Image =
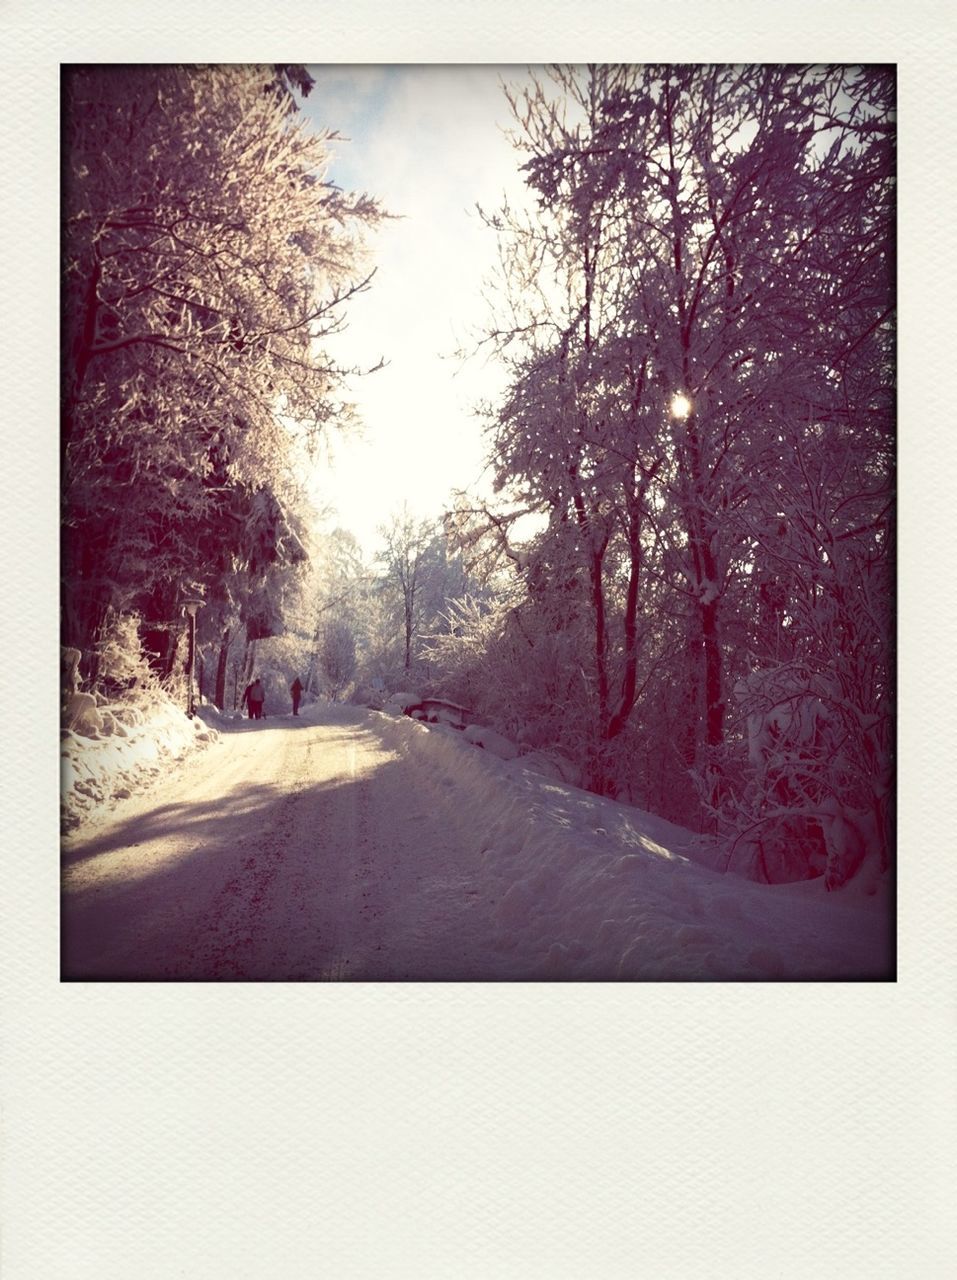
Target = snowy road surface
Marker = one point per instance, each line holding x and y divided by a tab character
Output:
348	845
291	850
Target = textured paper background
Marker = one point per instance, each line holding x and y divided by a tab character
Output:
481	1131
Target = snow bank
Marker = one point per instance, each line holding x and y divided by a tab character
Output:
582	887
109	751
489	740
397	703
553	765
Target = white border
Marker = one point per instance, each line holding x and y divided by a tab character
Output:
435	1131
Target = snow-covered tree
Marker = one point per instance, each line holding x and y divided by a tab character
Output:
421	572
207	267
256	594
338	656
577	438
405	557
695	317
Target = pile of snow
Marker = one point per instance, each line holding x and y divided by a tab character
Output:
443	714
553	765
109	750
489	740
398	703
582	887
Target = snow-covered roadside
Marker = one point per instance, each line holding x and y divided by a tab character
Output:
584	887
121	749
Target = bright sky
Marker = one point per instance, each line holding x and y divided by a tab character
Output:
428	143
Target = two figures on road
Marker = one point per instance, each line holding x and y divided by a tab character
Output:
254	697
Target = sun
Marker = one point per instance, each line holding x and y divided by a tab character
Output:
680	405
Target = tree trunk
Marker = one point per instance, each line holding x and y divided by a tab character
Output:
249	661
700	530
629	682
80	356
222	661
714	702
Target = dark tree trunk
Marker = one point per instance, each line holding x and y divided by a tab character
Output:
78	357
714	701
629	682
700	530
219	697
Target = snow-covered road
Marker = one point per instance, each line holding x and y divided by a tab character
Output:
351	845
290	850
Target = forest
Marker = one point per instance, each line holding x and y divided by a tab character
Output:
694	312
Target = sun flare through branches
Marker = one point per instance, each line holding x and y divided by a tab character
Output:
680	405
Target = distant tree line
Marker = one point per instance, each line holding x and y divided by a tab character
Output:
363	625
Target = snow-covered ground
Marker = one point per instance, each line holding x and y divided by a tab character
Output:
472	867
128	748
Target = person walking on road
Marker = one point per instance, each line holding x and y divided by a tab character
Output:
295	690
257	696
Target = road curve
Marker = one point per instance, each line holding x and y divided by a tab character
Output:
290	850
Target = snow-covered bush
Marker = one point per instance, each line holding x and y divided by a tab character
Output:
805	789
366	695
69	670
81	715
521	676
123	673
125	748
524	671
124	730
